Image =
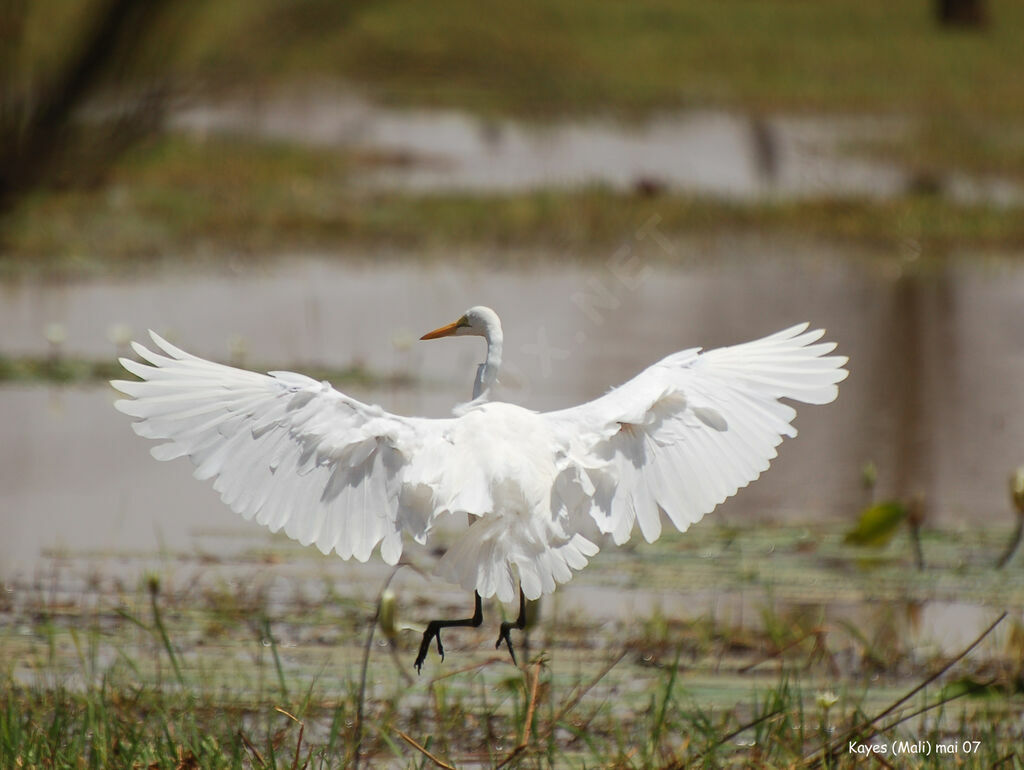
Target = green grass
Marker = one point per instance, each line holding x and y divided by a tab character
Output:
182	199
73	370
177	198
222	670
937	144
56	368
542	59
124	716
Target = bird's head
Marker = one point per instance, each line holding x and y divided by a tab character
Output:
478	321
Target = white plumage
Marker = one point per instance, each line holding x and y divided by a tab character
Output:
294	453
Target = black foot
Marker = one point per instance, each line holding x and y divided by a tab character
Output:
434	632
519	623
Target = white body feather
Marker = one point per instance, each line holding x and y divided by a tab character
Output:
293	453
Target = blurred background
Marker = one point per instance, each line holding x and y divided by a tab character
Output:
313	184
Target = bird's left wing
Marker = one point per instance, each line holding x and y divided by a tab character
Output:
289	451
689	431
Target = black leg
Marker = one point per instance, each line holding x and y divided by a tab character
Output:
434	632
519	623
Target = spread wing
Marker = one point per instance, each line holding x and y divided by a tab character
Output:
295	454
291	452
689	431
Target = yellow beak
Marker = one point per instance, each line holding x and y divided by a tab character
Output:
444	331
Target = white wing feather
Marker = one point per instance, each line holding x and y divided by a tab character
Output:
295	454
691	430
289	451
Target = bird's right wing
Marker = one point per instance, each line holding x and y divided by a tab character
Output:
689	431
291	452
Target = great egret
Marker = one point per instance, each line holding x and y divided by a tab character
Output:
539	489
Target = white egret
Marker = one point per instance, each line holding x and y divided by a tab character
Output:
539	489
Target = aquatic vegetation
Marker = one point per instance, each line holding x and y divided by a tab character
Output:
245	665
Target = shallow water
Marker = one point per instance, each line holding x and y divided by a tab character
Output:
934	398
702	151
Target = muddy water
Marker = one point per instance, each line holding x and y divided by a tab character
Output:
934	398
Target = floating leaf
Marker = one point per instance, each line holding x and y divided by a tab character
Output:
877	524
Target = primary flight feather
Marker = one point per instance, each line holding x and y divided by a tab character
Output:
539	488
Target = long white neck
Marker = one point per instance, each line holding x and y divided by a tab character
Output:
487	372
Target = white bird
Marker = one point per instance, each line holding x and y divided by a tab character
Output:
539	489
